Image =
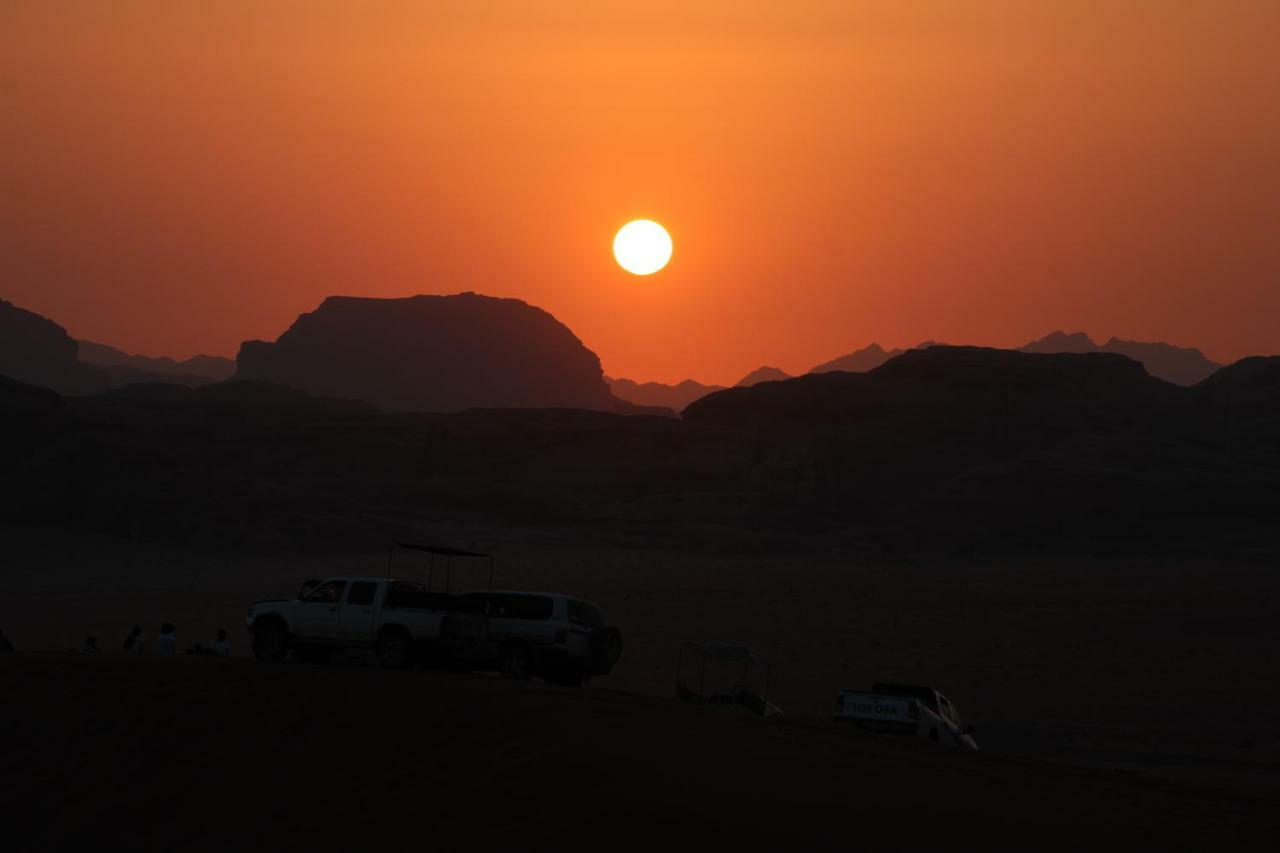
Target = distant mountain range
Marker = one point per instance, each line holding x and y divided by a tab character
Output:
124	367
1180	365
449	353
673	397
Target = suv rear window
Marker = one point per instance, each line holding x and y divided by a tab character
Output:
521	606
581	613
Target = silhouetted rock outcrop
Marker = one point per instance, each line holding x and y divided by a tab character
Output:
122	367
38	351
673	397
1180	365
433	354
858	361
942	389
762	374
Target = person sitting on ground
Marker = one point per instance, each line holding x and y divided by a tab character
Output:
220	646
134	642
91	646
167	642
6	647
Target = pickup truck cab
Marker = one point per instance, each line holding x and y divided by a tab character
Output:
905	709
559	638
400	620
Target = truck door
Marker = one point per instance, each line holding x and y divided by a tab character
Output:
318	614
357	615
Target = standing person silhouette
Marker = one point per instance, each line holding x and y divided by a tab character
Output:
134	642
167	642
220	646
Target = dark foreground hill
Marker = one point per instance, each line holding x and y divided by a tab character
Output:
433	354
210	754
949	448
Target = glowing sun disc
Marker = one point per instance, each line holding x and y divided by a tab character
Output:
642	247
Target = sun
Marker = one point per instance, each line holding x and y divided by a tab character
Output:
642	247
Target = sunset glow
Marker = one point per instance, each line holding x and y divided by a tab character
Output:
982	172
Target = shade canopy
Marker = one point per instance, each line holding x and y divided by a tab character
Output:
439	550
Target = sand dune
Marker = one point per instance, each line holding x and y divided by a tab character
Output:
210	754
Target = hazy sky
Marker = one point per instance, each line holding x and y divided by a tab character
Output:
176	177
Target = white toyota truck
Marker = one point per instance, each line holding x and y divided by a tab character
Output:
905	709
400	620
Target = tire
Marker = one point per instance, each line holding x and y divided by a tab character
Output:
514	662
270	642
393	650
606	646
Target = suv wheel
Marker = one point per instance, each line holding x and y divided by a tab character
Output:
515	663
270	642
393	650
606	646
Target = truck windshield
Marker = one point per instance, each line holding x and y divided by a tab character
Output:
328	593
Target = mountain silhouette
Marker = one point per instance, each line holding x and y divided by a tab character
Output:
957	448
1180	365
433	354
939	388
673	397
122	367
37	351
762	374
858	361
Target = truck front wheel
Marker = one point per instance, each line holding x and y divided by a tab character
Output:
270	641
393	650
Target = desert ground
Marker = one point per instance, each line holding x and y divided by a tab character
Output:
1151	680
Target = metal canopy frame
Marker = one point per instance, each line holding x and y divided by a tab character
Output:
725	652
445	551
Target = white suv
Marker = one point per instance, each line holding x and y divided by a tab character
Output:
561	639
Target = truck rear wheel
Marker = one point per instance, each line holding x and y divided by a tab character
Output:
392	650
606	646
270	641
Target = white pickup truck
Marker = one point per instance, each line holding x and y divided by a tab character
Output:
905	709
400	620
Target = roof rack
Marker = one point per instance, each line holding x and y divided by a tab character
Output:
445	551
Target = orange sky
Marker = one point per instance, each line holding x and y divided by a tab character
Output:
177	177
